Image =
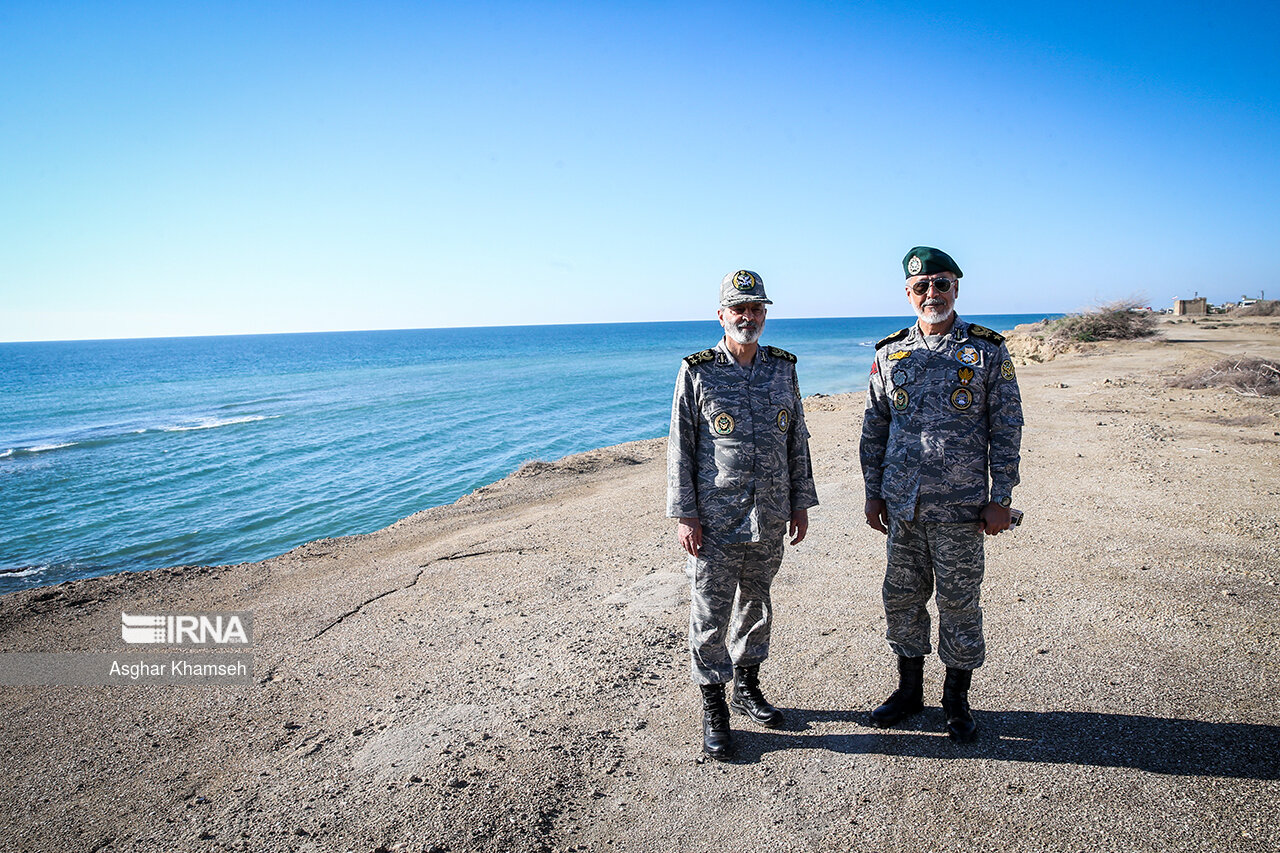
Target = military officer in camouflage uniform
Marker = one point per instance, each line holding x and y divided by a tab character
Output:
943	412
739	480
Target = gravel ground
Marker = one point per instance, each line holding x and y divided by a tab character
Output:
510	672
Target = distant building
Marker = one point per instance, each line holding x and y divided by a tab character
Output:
1197	307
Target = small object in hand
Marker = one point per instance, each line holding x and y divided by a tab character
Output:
1015	517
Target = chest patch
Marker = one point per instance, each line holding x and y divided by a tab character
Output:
962	398
722	423
967	355
784	420
900	399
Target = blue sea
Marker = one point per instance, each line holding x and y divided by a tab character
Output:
138	454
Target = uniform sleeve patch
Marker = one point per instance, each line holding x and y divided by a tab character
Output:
781	353
896	336
700	357
986	334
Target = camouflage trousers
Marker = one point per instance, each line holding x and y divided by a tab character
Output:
730	610
922	554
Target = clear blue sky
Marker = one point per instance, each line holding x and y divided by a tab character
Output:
206	168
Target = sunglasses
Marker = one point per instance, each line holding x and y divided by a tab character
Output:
942	285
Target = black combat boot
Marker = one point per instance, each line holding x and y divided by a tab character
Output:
717	740
908	699
747	698
955	704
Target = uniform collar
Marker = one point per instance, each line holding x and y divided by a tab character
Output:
958	332
723	356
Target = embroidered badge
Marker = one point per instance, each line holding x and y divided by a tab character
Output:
744	280
894	356
1006	369
722	424
875	368
900	399
962	398
966	375
700	357
915	265
967	355
784	420
901	377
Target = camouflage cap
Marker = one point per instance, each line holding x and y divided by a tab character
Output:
923	260
742	286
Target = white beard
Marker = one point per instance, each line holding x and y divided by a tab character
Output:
744	336
932	315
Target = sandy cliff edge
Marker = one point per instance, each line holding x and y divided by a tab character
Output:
509	672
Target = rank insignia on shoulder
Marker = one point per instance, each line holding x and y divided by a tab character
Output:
781	353
894	356
985	333
896	336
700	357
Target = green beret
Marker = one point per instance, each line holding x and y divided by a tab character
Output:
923	260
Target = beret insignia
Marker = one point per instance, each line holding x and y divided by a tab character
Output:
896	336
914	265
985	333
700	357
782	354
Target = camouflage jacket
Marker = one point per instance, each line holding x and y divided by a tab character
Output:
938	420
738	450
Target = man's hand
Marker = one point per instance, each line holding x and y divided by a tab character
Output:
994	519
877	515
799	526
689	532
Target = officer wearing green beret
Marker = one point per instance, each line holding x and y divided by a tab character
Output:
943	414
738	481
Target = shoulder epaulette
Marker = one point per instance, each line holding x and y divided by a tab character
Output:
985	333
896	336
700	357
782	354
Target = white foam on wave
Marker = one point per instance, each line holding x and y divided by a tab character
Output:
214	423
24	573
34	449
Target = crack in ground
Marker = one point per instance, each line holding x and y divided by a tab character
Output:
461	555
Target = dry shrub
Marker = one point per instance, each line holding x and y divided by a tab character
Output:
1113	321
1249	377
1261	308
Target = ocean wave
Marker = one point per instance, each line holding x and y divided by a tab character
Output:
214	423
24	572
15	452
246	403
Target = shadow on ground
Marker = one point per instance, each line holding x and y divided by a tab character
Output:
1154	744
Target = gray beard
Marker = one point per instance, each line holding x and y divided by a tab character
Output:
934	316
742	336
